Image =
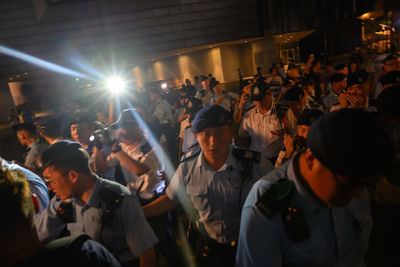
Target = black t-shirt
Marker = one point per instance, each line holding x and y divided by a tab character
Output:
72	251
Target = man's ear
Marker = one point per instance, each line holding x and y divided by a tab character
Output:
309	159
73	176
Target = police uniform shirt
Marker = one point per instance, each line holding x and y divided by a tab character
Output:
146	182
189	140
205	96
214	194
338	236
226	102
264	132
35	151
36	184
330	99
127	235
163	111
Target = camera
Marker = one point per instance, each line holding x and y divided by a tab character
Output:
102	135
299	143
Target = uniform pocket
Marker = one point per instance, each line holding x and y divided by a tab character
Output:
198	195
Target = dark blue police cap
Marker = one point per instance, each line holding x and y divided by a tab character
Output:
350	142
211	116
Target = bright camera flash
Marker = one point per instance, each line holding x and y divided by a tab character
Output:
164	85
116	85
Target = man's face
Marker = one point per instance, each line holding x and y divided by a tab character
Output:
302	130
218	89
336	191
60	182
265	102
128	134
80	132
206	84
215	141
296	106
356	89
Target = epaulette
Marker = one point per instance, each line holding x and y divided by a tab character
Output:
191	154
112	201
242	154
276	198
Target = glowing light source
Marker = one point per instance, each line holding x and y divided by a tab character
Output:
164	85
116	85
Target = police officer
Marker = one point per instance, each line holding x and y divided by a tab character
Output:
314	210
86	203
217	178
19	241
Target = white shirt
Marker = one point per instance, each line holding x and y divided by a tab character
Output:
264	131
147	181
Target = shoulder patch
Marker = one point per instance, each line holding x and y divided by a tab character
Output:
276	198
245	154
191	154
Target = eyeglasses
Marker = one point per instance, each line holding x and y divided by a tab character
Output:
52	182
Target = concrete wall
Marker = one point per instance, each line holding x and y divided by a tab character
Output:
222	62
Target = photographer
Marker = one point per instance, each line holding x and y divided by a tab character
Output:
298	143
82	126
138	160
356	95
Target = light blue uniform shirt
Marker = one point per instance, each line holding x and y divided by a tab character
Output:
226	102
127	235
338	236
189	140
215	194
36	184
35	151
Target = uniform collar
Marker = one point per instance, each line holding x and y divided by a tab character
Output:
94	199
258	111
33	144
304	198
230	162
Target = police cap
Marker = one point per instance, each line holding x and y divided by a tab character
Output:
211	116
350	142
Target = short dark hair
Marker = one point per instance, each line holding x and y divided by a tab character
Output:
51	127
15	200
66	155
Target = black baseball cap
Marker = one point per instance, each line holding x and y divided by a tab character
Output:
126	117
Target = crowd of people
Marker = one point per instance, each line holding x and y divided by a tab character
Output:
292	169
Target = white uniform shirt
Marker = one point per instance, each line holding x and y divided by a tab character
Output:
147	181
264	132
